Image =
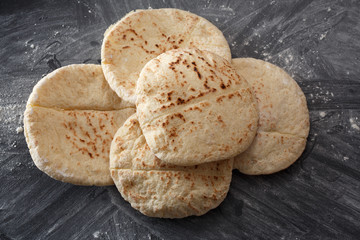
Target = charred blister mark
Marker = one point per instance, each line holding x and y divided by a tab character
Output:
172	132
179	115
180	101
198	73
206	84
220	119
169	95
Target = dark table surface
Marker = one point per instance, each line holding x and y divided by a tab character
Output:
318	197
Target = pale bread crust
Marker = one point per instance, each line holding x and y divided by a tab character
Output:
283	118
158	189
67	140
194	108
77	86
143	35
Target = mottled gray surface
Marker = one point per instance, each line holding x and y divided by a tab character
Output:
317	42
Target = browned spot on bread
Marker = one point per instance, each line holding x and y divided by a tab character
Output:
169	95
220	119
132	30
179	115
180	101
197	108
198	73
206	86
173	133
222	85
126	47
204	104
240	140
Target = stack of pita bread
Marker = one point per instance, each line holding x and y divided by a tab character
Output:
166	117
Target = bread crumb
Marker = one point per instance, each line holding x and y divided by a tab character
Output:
322	114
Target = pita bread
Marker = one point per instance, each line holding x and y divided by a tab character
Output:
283	118
67	140
158	189
143	35
194	108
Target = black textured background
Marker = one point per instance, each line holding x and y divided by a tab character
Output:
317	42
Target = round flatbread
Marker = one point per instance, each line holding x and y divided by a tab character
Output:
142	35
158	189
70	120
283	118
194	108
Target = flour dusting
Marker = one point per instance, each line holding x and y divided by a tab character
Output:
322	36
19	130
353	124
96	234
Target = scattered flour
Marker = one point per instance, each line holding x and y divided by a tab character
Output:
13	144
346	158
285	81
63	172
227	9
322	114
322	36
96	234
329	9
354	125
19	130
